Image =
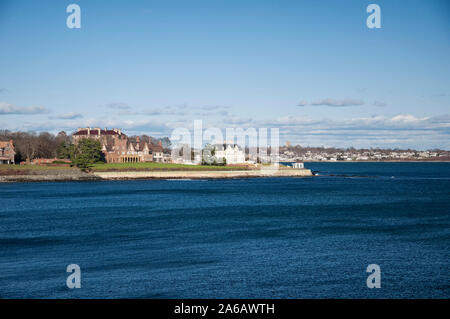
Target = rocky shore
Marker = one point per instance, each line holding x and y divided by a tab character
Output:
50	175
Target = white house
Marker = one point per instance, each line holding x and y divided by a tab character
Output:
231	152
298	165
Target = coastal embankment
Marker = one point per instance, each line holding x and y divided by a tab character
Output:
45	175
54	174
203	174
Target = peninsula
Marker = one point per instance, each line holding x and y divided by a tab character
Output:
39	173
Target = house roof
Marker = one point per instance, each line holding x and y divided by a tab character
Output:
5	144
138	145
224	146
155	148
96	132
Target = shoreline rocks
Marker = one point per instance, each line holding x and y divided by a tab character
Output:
46	175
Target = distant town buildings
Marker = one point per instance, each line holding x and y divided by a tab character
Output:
119	148
291	154
7	152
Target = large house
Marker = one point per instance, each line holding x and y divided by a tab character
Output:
158	152
119	148
7	152
231	152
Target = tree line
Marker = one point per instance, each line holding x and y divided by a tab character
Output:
31	145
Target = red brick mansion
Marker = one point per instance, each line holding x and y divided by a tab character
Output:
119	148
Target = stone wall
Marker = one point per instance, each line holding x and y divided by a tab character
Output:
203	174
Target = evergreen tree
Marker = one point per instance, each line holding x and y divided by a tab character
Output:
86	153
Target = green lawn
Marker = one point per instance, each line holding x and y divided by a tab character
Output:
152	166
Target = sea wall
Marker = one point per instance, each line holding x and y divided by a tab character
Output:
204	174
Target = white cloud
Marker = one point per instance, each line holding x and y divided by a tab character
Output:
68	116
407	118
182	110
403	130
379	103
338	103
118	106
6	109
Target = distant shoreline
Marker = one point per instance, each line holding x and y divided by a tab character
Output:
384	161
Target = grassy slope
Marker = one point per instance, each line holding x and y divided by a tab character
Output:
151	166
42	169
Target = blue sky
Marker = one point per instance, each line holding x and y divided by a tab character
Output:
310	68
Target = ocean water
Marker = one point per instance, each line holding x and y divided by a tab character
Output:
238	238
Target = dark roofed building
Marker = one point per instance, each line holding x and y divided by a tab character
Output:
157	152
117	147
96	133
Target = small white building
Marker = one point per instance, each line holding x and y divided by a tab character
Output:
298	165
231	152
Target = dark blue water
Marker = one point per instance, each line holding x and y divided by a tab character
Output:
265	238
